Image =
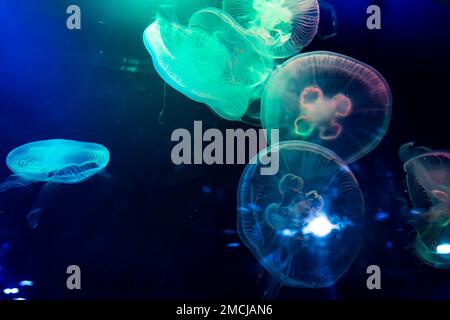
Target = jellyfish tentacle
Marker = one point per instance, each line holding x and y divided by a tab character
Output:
15	181
34	217
46	194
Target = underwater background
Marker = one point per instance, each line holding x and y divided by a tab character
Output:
153	230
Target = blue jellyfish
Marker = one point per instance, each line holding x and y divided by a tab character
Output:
304	223
53	162
428	180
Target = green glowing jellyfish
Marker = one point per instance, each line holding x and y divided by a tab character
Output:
212	61
328	99
303	223
184	9
53	162
240	43
286	26
58	160
428	180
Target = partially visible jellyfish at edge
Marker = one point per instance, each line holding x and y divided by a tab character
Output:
328	26
53	162
304	223
213	60
428	182
287	26
330	100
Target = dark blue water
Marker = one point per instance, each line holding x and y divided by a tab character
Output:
154	230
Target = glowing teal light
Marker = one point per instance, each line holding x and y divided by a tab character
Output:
58	160
319	226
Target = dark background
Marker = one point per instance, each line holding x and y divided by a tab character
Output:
157	231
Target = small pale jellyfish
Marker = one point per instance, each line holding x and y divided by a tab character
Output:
428	180
304	223
287	26
213	61
53	162
328	99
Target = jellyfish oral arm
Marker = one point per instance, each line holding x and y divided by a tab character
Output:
322	113
15	181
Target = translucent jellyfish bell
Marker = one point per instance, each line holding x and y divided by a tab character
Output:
428	180
328	99
212	61
287	26
59	161
304	223
53	162
428	175
248	50
184	9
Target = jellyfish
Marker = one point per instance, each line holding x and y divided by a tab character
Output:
330	100
428	181
328	27
303	224
184	9
287	26
53	162
212	61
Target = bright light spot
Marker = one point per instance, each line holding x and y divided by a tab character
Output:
319	226
288	232
11	291
381	216
17	299
25	283
415	212
443	248
233	245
